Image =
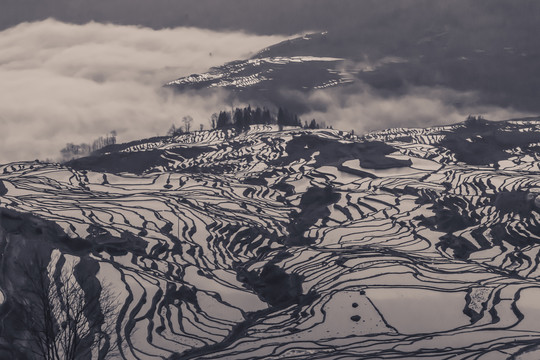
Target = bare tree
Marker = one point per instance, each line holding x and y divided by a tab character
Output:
187	120
67	318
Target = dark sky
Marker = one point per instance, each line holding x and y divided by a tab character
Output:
378	21
259	16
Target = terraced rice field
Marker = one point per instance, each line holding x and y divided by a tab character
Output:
300	244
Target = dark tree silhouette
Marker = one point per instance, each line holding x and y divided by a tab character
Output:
248	117
238	119
223	119
257	116
73	151
281	118
242	118
266	117
172	130
65	316
175	131
187	120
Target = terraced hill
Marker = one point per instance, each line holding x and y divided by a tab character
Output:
278	67
295	244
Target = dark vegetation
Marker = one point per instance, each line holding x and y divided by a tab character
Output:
136	162
110	158
453	214
518	202
3	189
273	285
123	146
73	151
117	162
462	248
242	118
179	130
313	207
70	317
51	310
372	155
482	142
37	231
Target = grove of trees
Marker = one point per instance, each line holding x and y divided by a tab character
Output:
187	120
242	118
72	151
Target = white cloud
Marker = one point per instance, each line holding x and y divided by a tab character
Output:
363	110
72	83
64	83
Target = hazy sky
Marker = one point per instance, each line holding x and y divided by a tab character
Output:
256	16
364	110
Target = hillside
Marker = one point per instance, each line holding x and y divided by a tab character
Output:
482	47
297	243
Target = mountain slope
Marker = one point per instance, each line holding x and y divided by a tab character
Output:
272	70
301	243
480	47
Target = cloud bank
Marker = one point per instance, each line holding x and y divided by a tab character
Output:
362	109
64	83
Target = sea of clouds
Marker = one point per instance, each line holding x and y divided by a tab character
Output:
63	83
363	110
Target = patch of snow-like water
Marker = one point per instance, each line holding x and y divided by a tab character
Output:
413	311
